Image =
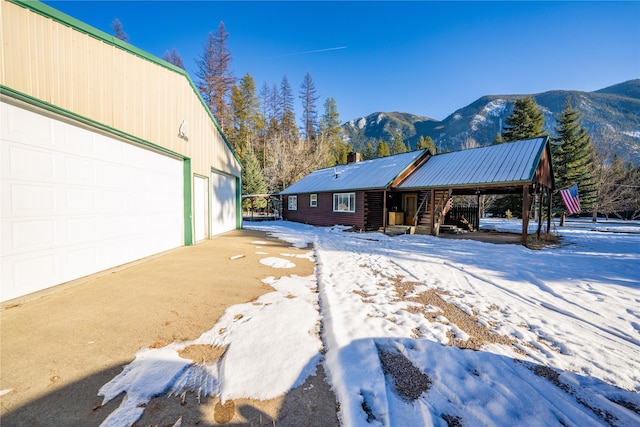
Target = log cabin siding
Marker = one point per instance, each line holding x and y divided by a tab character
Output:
323	214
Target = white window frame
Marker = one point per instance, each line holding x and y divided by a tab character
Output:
313	200
293	203
344	202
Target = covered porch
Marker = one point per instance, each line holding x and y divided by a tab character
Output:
425	201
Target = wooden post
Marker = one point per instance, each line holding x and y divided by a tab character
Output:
525	213
477	225
432	211
384	209
540	201
549	206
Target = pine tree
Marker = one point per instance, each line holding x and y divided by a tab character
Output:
573	157
383	149
309	96
252	179
287	118
245	118
368	153
426	142
215	77
118	30
398	147
526	121
174	58
330	134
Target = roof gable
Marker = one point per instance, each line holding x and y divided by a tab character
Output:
513	162
369	174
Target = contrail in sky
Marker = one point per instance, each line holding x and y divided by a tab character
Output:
310	51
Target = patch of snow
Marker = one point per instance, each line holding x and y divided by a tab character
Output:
634	134
566	316
276	262
268	357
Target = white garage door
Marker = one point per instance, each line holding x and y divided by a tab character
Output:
223	203
75	202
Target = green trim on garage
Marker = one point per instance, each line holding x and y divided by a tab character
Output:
27	99
188	209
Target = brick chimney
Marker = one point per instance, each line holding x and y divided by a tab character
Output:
353	157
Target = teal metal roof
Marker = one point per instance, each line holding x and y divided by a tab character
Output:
369	174
511	162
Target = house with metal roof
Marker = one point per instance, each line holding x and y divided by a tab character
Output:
420	197
353	194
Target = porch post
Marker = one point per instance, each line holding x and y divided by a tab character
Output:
540	206
432	210
525	213
478	212
549	206
384	209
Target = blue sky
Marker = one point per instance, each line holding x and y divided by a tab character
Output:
426	58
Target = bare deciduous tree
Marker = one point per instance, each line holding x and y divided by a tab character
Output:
118	30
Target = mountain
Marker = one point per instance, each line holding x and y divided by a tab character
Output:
612	113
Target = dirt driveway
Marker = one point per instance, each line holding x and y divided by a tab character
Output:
58	350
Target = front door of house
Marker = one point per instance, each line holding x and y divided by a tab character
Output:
410	203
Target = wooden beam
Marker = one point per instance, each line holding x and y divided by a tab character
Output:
540	205
432	211
384	209
525	213
549	208
477	225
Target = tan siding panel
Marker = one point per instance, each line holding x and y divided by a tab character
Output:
80	73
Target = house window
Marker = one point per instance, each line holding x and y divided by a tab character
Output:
293	203
344	202
313	200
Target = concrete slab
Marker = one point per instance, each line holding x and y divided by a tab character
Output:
58	349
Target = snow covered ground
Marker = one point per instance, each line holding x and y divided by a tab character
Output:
420	331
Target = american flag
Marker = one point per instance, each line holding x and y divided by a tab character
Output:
570	199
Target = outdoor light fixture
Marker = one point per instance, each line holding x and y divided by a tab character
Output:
182	130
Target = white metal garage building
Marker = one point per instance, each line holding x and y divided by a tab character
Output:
108	154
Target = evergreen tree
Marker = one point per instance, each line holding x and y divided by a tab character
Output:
368	153
330	133
526	121
426	142
398	147
383	149
573	157
287	118
246	116
252	179
118	30
309	96
174	58
215	77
